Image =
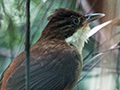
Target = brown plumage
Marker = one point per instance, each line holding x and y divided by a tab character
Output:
55	61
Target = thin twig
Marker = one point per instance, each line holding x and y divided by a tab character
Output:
93	50
96	56
97	62
110	49
27	45
117	69
99	54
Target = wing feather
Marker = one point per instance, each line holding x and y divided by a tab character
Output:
52	75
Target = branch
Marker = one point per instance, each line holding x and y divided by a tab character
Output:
27	44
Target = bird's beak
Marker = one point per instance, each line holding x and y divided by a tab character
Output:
92	17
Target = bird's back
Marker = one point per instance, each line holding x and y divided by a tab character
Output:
53	67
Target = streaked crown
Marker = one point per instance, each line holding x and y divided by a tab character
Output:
63	23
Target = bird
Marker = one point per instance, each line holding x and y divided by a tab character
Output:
56	58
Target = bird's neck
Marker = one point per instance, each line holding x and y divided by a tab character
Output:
79	38
51	32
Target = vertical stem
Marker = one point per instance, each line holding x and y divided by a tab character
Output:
27	45
117	70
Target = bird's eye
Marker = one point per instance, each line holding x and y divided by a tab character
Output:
75	21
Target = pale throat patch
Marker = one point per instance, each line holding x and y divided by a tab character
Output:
79	38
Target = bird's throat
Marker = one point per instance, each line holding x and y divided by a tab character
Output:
79	38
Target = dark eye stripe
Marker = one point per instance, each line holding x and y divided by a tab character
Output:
57	20
81	21
66	27
63	24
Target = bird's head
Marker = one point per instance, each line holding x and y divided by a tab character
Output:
68	25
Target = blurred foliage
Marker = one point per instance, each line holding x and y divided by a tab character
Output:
13	27
13	19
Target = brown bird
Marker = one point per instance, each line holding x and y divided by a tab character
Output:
55	59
